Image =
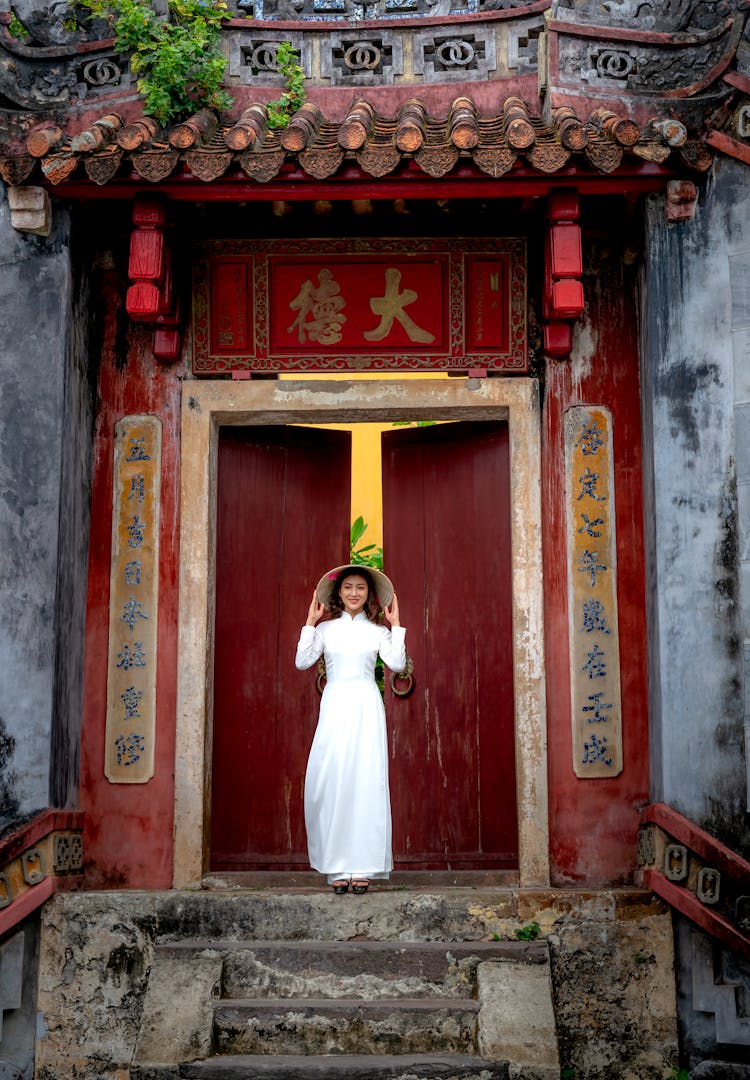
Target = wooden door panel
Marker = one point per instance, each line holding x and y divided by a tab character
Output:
283	503
447	544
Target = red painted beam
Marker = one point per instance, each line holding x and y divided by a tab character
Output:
705	846
33	898
689	905
728	145
294	185
741	82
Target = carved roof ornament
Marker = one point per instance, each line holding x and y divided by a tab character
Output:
442	83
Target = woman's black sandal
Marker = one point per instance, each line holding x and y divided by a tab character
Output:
340	887
360	886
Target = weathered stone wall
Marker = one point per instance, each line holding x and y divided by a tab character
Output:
35	286
19	963
693	534
696	393
45	448
83	346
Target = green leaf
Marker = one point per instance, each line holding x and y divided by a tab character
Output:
357	530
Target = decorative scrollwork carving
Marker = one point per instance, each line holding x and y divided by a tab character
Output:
363	56
708	888
263	56
646	847
614	64
676	862
101	72
67	854
456	52
32	864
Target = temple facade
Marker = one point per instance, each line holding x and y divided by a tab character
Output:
516	237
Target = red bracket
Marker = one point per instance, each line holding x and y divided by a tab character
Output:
151	299
562	301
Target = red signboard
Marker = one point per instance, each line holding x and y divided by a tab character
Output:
327	305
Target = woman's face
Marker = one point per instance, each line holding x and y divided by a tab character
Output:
353	593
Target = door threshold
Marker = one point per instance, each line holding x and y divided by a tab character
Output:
399	879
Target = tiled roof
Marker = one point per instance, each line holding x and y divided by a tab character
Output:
210	149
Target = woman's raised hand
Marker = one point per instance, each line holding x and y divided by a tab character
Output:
391	612
316	609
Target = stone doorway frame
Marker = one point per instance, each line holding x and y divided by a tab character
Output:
209	405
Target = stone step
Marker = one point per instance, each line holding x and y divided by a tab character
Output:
322	1026
345	1067
410	915
356	969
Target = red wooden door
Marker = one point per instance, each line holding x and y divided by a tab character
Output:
283	497
446	508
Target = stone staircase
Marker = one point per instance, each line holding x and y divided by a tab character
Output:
405	983
351	1009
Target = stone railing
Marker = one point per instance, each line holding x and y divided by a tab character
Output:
36	860
699	877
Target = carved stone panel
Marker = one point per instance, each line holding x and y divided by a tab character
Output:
455	55
361	58
253	56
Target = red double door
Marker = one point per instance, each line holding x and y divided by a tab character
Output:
283	518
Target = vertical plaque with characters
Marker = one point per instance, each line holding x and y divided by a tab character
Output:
592	593
133	602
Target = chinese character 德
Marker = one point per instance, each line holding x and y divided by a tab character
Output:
324	304
391	306
129	748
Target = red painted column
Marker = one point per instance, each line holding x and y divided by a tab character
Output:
594	822
128	834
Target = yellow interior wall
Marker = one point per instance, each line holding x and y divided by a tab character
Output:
367	473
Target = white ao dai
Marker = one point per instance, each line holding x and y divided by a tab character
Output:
347	800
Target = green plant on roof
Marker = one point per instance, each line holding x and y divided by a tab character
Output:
177	61
16	28
285	106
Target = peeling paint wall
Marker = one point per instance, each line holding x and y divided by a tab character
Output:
35	285
46	409
696	289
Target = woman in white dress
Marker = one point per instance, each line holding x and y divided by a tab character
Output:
347	801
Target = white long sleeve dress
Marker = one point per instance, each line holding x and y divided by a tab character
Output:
347	800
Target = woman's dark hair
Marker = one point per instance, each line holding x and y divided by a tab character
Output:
372	606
